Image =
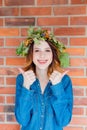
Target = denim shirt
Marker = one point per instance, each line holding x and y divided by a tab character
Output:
51	110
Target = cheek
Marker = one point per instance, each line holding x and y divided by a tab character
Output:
35	56
50	57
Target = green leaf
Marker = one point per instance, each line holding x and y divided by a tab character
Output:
21	50
36	41
64	59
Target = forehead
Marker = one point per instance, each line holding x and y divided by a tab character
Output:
42	44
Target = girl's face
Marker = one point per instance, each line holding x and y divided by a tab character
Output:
42	55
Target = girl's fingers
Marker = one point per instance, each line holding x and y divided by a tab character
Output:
30	72
65	73
21	70
56	76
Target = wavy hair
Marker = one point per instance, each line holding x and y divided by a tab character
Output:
55	65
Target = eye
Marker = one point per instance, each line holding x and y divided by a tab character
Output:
48	50
36	50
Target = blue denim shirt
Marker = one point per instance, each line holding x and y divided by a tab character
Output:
51	110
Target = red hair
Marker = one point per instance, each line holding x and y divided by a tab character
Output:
55	65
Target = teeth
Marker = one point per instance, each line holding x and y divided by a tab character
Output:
42	61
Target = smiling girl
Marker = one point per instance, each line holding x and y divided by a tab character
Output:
44	97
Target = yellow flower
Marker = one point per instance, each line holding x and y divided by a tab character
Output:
27	42
46	34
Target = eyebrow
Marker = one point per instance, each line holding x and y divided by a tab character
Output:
44	48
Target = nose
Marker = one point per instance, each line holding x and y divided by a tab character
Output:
42	54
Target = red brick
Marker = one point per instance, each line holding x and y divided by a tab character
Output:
86	92
24	32
1	61
70	10
20	21
78	91
10	81
51	2
63	40
69	31
15	61
2	99
9	71
1	42
74	128
76	51
1	80
52	21
1	22
10	99
76	72
78	62
11	118
78	111
78	41
86	111
2	118
79	81
13	42
78	20
18	2
78	2
0	2
1	108
36	11
9	11
7	90
79	120
7	52
9	32
9	127
9	108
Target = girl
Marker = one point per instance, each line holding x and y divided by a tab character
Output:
44	98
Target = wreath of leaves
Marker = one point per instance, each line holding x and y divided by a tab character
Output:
35	35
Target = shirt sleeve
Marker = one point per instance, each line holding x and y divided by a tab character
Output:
62	101
23	102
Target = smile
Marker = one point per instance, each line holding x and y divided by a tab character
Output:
42	61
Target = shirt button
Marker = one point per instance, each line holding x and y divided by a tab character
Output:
42	115
42	103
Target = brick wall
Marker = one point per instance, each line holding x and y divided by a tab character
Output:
68	20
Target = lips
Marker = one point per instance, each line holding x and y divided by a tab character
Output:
42	61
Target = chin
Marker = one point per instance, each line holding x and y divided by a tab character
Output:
42	67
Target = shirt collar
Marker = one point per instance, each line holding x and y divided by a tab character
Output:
36	87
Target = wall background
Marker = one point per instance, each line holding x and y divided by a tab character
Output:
68	20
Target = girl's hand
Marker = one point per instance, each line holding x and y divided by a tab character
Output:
56	77
29	77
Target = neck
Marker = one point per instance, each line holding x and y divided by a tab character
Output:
41	74
43	78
